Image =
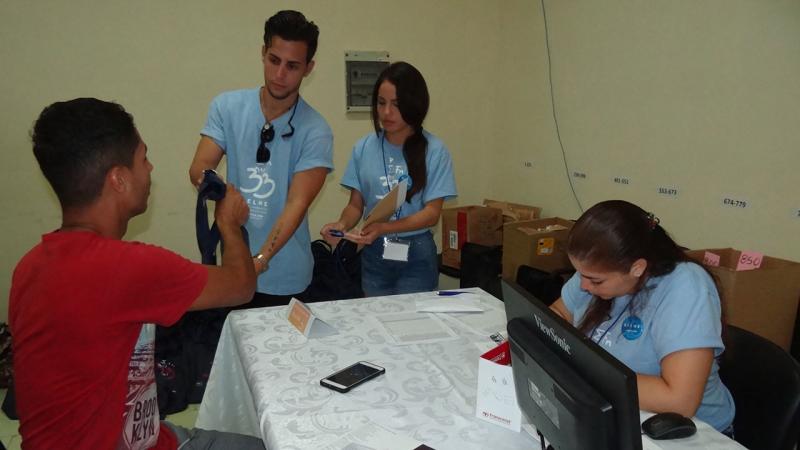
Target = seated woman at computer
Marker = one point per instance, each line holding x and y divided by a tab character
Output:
639	296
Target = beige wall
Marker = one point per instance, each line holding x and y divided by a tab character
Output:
699	95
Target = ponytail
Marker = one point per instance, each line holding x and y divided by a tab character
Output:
414	150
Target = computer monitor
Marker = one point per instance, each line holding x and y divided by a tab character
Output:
575	393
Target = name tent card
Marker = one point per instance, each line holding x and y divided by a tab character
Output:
306	322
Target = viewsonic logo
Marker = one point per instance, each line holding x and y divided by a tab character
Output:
550	332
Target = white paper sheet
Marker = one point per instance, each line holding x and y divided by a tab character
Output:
413	328
466	302
483	323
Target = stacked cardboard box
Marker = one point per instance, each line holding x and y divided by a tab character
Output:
476	224
481	225
539	243
514	212
762	300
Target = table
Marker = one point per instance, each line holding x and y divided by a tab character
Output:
265	380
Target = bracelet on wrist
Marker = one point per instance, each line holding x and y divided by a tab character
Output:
261	260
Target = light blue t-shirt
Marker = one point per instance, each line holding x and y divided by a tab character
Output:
377	165
678	311
234	123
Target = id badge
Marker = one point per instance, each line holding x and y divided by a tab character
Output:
395	249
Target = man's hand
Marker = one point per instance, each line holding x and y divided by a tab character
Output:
234	282
231	210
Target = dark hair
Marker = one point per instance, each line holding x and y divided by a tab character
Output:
413	102
612	235
292	26
77	142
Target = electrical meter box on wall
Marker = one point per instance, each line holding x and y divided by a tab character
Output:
361	70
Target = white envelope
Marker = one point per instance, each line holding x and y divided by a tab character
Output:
497	395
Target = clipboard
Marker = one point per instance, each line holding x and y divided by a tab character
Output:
385	208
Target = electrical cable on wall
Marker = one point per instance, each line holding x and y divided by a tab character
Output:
553	106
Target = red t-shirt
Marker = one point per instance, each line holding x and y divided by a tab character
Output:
77	307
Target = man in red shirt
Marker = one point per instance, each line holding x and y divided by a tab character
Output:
83	301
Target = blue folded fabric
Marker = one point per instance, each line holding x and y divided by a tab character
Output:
211	188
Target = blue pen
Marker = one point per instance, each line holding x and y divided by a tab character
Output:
335	233
448	293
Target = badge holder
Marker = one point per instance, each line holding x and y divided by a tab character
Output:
395	249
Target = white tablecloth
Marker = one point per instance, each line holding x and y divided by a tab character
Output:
265	381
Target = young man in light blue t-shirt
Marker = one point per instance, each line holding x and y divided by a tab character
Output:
279	151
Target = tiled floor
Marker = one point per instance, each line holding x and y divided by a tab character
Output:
12	440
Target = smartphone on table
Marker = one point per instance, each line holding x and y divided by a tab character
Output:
352	376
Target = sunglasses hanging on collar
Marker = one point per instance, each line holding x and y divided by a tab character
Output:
268	134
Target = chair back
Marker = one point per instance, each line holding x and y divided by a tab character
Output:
764	380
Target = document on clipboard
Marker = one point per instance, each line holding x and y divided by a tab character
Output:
385	208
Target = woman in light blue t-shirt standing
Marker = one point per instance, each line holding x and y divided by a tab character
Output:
640	297
399	255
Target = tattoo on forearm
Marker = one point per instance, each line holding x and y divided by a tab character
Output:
274	240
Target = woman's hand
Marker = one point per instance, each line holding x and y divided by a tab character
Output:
560	308
325	232
367	235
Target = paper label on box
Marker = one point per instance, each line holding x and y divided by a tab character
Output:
711	259
453	238
497	395
545	246
461	228
749	260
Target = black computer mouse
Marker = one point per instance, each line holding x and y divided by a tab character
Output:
668	425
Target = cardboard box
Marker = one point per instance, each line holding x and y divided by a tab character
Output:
762	300
514	212
539	243
476	224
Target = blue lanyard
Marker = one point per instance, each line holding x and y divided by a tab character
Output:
613	323
386	173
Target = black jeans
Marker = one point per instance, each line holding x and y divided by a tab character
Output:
261	300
